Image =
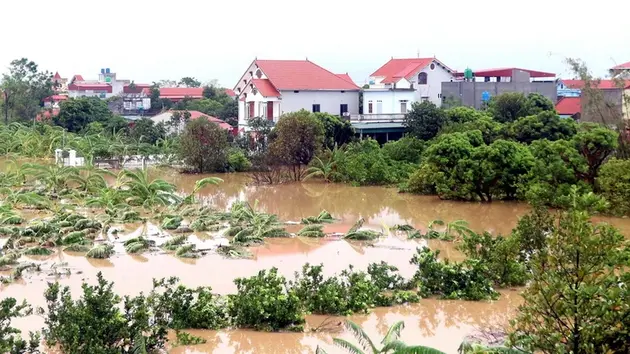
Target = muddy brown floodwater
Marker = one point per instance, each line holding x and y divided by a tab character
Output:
438	323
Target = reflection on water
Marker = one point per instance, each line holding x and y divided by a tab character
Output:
438	323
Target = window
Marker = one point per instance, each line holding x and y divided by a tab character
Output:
432	66
370	107
422	78
296	91
403	106
343	109
439	95
258	73
316	108
424	99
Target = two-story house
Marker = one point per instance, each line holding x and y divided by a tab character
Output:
400	82
270	88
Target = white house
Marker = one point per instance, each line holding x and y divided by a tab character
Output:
270	88
400	82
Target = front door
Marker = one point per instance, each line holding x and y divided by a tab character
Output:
251	109
343	108
270	110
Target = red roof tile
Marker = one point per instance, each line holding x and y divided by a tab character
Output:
230	92
197	114
624	66
569	106
83	86
602	84
302	75
139	88
77	78
265	87
181	92
57	76
346	77
395	69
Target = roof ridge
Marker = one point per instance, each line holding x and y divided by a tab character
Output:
268	78
333	74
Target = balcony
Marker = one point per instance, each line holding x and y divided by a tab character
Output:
378	117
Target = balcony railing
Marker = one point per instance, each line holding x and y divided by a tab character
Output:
382	117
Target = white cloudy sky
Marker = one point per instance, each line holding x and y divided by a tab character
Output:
149	40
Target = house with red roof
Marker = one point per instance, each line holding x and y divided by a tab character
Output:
621	69
615	94
54	101
60	84
569	107
270	88
398	83
166	119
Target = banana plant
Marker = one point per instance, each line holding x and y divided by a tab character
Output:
200	184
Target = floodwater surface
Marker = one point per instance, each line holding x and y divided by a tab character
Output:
438	323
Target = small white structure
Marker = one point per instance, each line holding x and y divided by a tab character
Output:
270	88
400	82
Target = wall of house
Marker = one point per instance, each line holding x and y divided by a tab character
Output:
470	93
390	100
260	107
433	89
88	93
329	101
608	110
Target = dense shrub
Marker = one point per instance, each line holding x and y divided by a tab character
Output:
614	185
237	161
203	146
265	302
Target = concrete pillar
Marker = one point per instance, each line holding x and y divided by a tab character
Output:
386	136
72	158
361	135
58	156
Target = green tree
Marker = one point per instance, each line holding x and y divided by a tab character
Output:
537	103
145	130
203	146
189	82
425	120
75	114
508	107
595	143
298	136
614	184
578	301
545	125
336	131
24	88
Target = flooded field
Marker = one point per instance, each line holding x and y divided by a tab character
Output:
437	323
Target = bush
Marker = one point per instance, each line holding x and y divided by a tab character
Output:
614	184
264	302
237	161
203	146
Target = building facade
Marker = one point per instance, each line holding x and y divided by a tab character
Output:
400	82
270	88
485	84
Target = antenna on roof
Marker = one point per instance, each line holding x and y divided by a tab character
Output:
418	53
306	58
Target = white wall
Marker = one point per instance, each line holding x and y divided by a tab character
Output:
329	101
390	100
433	88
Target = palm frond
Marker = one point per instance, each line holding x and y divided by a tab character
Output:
360	335
349	347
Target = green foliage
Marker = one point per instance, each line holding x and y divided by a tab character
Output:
577	301
508	107
546	125
425	120
614	185
461	280
337	132
146	131
237	161
95	324
186	307
76	113
323	217
10	340
407	149
297	138
203	146
185	338
265	302
25	87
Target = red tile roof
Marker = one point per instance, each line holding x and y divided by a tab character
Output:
230	92
181	92
395	69
507	72
197	114
57	76
83	86
77	78
346	77
624	66
265	87
56	98
302	75
569	106
602	84
139	88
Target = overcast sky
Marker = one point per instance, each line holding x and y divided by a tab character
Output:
147	40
